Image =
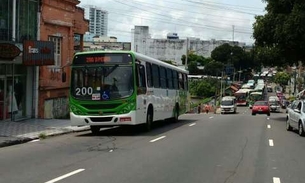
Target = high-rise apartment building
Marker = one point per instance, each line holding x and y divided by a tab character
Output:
98	20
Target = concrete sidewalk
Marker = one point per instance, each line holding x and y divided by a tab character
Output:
12	133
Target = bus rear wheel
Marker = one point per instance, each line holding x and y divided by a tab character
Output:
95	129
149	121
176	114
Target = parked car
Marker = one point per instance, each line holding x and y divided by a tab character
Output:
261	107
295	117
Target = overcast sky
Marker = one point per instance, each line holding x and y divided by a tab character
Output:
212	19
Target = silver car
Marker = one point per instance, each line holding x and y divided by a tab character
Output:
296	117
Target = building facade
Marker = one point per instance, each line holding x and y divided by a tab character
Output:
18	22
173	48
98	20
62	23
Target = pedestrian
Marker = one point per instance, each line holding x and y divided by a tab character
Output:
199	108
207	108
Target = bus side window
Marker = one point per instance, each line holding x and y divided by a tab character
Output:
149	75
185	82
181	81
169	78
175	79
163	78
156	75
141	80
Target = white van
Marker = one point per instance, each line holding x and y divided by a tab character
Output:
274	103
228	105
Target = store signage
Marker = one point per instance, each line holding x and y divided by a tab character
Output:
38	53
9	51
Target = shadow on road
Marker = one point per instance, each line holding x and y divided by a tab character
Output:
158	127
280	119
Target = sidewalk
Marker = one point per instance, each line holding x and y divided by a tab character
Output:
12	133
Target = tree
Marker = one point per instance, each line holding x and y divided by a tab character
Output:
281	78
234	55
213	68
192	68
192	57
204	88
222	53
281	30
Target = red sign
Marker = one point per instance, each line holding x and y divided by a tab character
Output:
9	51
38	53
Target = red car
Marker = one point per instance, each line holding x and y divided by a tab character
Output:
261	107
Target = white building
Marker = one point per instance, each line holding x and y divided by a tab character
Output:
172	48
98	20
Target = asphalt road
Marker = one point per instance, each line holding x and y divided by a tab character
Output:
205	148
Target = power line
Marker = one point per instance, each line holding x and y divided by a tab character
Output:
198	25
157	19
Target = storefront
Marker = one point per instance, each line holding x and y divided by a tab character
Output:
16	90
18	22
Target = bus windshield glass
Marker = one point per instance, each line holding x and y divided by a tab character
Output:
102	82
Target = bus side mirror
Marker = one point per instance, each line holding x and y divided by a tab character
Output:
63	77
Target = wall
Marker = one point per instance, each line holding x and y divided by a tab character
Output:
172	49
63	19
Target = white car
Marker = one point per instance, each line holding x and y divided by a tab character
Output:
296	117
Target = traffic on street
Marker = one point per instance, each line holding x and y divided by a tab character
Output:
202	147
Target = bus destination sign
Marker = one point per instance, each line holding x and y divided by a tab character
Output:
101	58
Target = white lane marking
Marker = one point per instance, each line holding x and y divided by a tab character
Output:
65	176
159	138
268	126
268	118
211	117
37	140
276	180
271	142
192	124
111	150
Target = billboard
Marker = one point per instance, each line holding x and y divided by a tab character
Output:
38	53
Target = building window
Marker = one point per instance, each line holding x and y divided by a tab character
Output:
57	50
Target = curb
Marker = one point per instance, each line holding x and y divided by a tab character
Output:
24	138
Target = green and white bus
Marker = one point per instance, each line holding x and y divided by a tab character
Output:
114	88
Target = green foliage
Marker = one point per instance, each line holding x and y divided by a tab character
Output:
42	136
192	68
204	88
192	57
234	55
282	31
213	68
169	62
281	78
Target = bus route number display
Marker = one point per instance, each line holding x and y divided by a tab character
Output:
102	58
97	59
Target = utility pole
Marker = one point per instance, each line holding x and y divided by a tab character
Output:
233	26
186	55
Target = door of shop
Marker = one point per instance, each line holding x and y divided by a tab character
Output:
12	91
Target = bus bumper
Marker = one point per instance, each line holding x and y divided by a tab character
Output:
111	120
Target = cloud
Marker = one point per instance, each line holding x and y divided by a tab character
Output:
208	20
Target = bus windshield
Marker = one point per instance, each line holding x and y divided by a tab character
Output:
102	82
